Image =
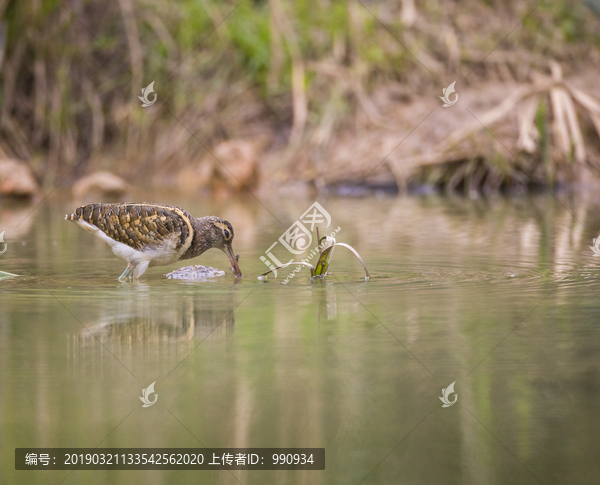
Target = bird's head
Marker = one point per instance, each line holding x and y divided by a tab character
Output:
221	237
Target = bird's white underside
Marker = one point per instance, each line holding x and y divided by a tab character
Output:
166	253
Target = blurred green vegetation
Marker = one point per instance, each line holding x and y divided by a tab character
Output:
72	70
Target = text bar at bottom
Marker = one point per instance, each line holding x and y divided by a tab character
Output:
170	458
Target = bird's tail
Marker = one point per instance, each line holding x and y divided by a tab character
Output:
77	215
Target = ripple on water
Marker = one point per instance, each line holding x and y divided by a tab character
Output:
526	277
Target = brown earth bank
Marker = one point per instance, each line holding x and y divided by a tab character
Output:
279	98
498	136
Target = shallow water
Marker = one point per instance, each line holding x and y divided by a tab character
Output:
499	297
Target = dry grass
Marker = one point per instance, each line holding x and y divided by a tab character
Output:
315	78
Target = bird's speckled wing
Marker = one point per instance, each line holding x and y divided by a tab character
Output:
139	226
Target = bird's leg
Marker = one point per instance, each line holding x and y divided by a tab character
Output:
127	273
140	269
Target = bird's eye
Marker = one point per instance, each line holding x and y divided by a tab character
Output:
226	232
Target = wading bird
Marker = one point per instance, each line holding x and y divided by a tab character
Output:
154	235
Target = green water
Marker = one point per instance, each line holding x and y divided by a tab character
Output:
498	296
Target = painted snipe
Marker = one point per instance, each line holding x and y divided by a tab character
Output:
154	235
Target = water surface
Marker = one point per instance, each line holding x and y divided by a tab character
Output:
498	296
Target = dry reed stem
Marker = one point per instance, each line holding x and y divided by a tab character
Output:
135	47
408	13
590	104
566	128
299	103
559	123
574	130
95	104
163	34
528	134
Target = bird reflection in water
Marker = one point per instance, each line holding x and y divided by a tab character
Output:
146	325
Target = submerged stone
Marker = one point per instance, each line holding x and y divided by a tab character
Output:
196	272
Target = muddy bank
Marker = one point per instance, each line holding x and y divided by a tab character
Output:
262	95
497	137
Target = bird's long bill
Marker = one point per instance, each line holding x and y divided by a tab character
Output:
234	263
